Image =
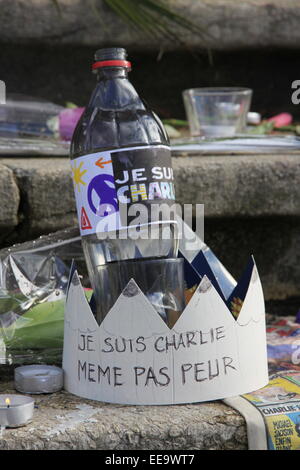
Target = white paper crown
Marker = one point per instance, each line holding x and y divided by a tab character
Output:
133	357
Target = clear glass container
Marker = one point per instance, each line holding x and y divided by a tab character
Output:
217	112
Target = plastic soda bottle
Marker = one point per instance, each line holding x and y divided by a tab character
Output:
124	189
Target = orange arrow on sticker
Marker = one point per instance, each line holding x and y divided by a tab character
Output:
101	163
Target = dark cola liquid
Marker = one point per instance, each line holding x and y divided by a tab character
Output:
116	118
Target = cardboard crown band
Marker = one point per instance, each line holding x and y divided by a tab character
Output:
216	349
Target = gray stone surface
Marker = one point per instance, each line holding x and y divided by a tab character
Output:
228	24
65	422
47	195
252	206
229	186
9	201
241	185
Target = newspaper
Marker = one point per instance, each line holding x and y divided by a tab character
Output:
272	413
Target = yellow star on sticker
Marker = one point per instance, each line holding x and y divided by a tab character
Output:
77	175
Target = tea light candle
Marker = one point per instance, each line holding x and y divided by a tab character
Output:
15	410
38	379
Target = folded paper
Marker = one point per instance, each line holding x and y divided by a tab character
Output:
212	352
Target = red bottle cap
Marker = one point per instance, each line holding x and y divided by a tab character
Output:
111	63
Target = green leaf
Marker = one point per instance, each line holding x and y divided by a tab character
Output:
69	104
176	122
153	16
42	327
265	127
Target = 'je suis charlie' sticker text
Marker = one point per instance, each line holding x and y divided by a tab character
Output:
106	181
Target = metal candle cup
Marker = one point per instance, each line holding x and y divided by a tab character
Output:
15	410
36	379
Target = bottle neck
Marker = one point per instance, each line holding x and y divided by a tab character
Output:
110	73
114	91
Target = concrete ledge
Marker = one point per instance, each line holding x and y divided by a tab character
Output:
65	422
229	186
240	186
252	206
47	194
10	199
229	24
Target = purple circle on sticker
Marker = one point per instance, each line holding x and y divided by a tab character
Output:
103	186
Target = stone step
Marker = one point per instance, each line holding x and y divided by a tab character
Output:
227	24
63	421
252	206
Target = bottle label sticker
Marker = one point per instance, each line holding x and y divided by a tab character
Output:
118	189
